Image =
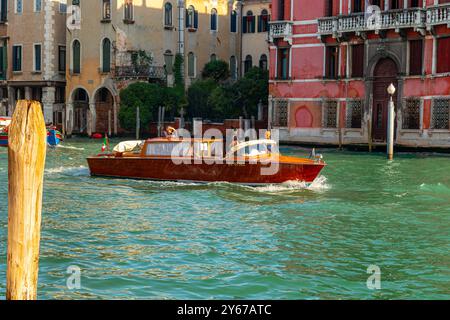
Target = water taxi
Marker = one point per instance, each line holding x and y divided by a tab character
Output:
252	162
4	124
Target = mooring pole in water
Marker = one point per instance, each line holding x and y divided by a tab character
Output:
26	162
391	117
138	123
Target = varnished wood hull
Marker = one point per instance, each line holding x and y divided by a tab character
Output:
165	169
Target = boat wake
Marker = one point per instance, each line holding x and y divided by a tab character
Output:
320	184
69	171
69	147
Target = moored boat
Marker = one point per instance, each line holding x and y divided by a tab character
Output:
4	124
198	160
54	137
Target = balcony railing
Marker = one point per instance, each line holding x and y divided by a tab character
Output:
140	72
281	29
392	19
438	15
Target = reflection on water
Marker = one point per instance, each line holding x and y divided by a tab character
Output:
169	240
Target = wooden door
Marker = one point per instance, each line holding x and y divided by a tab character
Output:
385	73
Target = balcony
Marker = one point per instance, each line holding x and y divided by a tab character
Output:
281	30
438	15
140	72
415	18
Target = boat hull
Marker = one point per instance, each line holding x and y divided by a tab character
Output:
3	140
165	169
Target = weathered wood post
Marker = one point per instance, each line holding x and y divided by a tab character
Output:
26	161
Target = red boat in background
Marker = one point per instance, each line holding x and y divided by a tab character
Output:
175	159
4	124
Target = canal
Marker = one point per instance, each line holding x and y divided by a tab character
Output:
161	240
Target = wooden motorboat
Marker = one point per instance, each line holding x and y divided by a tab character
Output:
252	162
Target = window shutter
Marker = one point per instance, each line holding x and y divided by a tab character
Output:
253	24
187	18
244	24
358	61
443	55
415	57
260	23
196	19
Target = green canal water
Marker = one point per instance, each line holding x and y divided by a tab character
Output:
156	240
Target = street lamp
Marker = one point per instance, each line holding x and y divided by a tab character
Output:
391	117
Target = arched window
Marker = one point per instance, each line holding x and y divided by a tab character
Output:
263	21
248	23
106	55
191	18
233	68
213	20
168	14
248	63
213	57
263	62
128	10
106	9
191	65
233	21
76	57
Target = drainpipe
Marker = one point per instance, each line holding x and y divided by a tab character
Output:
181	14
239	26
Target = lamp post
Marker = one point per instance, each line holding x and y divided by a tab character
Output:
391	117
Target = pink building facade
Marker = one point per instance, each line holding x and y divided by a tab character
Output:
331	62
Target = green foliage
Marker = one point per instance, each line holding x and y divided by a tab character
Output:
140	59
210	100
178	75
251	89
217	70
198	96
148	97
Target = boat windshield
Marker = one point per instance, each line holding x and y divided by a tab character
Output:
253	148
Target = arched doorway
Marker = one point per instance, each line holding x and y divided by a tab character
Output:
80	100
104	107
385	73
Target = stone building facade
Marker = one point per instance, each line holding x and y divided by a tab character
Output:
32	55
331	64
111	44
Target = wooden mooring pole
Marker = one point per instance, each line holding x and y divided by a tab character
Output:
26	162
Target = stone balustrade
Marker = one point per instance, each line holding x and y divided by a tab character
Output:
281	29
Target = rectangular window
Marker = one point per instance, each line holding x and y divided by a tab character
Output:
331	62
411	114
440	114
233	22
358	61
283	63
281	10
3	62
4	10
353	114
128	10
17	58
106	8
415	57
328	8
37	5
61	58
358	6
19	6
443	55
37	57
330	114
62	6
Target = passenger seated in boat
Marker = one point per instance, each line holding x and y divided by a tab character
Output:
170	132
268	137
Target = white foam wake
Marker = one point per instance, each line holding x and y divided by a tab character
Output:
320	184
69	147
70	171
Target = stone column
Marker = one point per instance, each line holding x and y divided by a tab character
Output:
48	100
28	93
69	118
11	100
115	117
92	118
